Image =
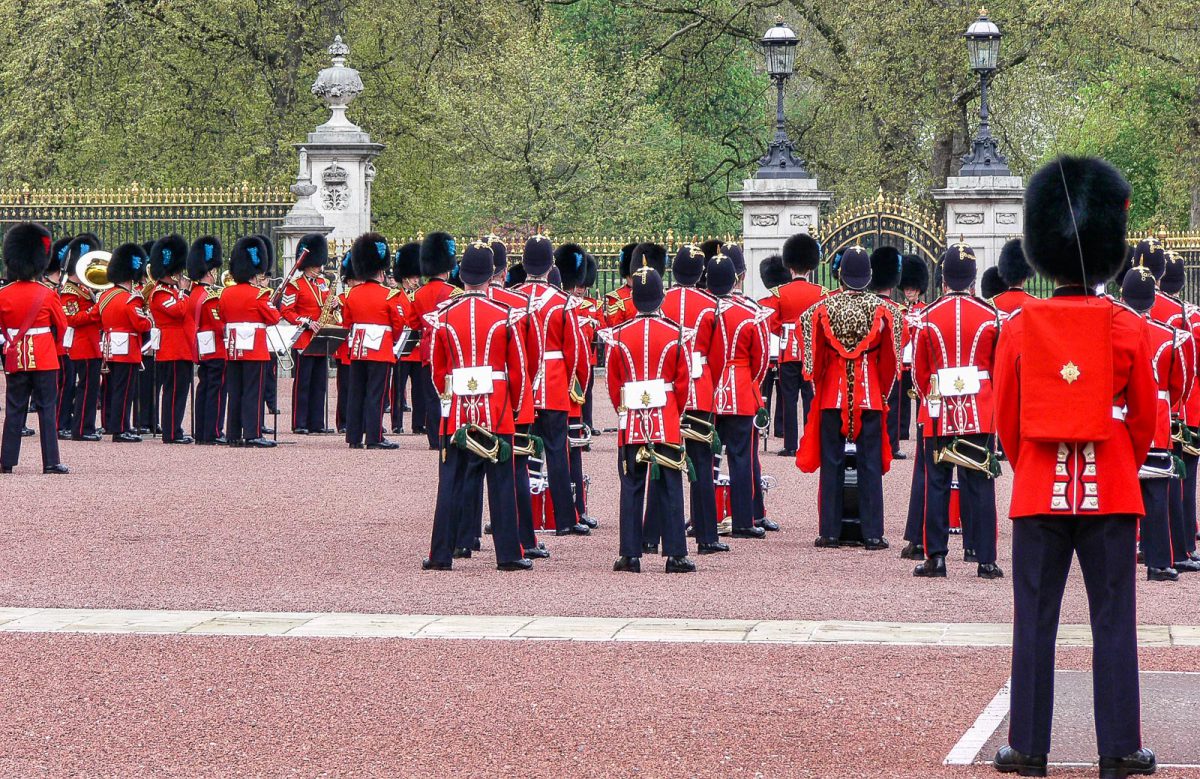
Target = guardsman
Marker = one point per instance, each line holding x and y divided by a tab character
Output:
886	268
918	280
438	259
374	318
245	309
773	275
477	362
952	364
914	282
648	385
559	363
176	351
406	270
1185	317
851	350
66	371
1014	271
1158	475
83	349
570	260
991	286
618	304
31	327
124	325
145	420
303	302
738	361
594	312
203	264
801	256
696	312
342	355
271	377
1075	489
55	277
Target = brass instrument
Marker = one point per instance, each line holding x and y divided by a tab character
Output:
92	270
579	436
482	442
330	309
227	279
934	398
967	454
527	445
695	428
1187	438
659	456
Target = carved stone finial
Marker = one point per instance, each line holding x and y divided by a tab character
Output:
337	86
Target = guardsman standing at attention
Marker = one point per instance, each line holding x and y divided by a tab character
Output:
738	361
59	259
648	385
204	300
558	358
124	325
342	355
302	304
801	255
176	351
83	332
31	326
406	270
886	268
696	312
246	310
618	304
1014	271
952	362
437	260
373	316
570	261
914	282
1075	488
477	362
851	349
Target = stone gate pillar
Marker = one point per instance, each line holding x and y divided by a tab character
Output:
774	209
303	219
984	212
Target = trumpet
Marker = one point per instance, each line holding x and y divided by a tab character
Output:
967	454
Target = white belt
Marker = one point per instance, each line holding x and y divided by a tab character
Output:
369	328
554	355
1119	413
31	331
1164	395
245	326
984	375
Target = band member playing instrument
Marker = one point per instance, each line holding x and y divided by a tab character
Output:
56	277
176	351
696	312
648	384
438	259
246	310
124	325
477	362
303	301
373	315
271	376
341	357
203	264
83	344
406	270
146	389
31	327
952	362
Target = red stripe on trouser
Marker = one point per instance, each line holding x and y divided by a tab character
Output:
87	384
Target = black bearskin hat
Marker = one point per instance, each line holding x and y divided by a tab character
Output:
204	256
914	273
346	268
1012	266
406	262
990	283
60	254
26	251
589	272
127	263
649	255
1076	213
248	259
477	265
571	261
554	278
370	255
312	251
734	252
79	246
801	253
773	272
168	256
711	248
270	246
439	254
885	269
625	259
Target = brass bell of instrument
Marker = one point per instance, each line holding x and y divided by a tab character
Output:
92	270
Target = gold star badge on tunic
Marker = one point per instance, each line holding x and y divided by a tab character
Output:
472	385
1070	373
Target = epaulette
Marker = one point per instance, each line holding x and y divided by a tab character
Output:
214	293
774	291
265	292
455	292
393	293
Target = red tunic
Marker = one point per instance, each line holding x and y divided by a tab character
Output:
648	348
373	315
1079	478
407	308
1173	312
957	337
204	303
31	324
474	331
696	311
343	351
427	299
302	302
247	312
1010	300
124	322
1166	358
618	306
170	311
738	356
560	354
82	338
794	298
523	330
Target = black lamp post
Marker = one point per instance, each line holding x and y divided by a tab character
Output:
780	161
983	51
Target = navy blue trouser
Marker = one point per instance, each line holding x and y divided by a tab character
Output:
552	427
737	434
42	388
210	400
66	393
1042	550
433	405
309	388
1191	462
791	380
364	401
245	380
460	490
405	375
1155	526
174	380
643	498
146	391
976	491
916	495
124	381
703	505
87	393
869	460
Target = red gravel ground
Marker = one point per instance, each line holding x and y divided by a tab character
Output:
138	706
315	526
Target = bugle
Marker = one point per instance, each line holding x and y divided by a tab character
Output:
968	454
